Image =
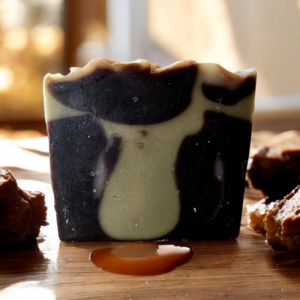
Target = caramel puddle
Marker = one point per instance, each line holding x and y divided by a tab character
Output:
141	259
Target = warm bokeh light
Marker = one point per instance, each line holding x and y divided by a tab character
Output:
6	78
31	45
47	40
187	21
15	39
12	13
235	34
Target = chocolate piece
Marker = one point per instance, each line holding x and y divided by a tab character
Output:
139	152
274	169
22	213
282	223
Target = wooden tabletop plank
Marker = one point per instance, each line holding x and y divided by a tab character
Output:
242	268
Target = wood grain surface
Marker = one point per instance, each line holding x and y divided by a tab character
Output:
243	268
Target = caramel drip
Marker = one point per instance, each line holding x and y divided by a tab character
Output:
141	259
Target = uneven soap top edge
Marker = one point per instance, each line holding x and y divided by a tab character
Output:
140	65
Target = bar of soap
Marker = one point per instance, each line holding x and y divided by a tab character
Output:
140	152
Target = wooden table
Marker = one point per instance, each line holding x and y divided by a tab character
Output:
244	268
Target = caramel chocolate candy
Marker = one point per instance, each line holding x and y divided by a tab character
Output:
140	152
274	168
282	223
256	214
22	213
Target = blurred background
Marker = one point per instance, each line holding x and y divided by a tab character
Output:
50	36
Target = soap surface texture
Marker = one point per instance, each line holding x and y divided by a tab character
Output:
140	152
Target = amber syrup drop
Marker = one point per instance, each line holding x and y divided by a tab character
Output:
141	259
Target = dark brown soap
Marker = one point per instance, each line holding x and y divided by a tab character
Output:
133	96
227	89
209	170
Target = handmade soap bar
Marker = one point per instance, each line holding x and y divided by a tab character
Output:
140	152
